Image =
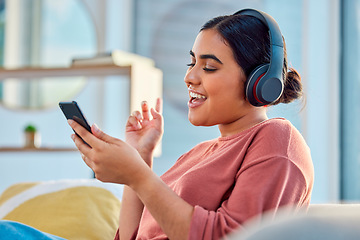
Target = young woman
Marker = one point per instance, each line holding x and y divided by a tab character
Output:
255	165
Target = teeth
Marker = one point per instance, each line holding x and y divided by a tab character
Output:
195	95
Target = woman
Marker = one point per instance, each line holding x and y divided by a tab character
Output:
257	164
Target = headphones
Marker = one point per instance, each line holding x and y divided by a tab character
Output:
265	83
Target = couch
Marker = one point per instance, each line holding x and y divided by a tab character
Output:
89	209
320	221
73	209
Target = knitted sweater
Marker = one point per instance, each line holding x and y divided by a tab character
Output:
228	180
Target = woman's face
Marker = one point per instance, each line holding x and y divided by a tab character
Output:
215	82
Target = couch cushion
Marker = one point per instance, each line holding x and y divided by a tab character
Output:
72	209
321	221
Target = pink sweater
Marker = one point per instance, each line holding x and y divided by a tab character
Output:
231	179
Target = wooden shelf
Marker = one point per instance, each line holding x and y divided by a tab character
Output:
145	83
40	149
145	80
73	71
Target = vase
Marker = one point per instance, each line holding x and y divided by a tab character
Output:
32	140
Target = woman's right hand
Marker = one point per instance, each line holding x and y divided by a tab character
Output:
143	132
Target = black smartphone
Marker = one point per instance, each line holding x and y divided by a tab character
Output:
72	111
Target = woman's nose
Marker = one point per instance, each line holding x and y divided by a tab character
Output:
191	77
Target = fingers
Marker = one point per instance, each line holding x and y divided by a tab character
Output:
134	121
156	113
86	160
137	120
83	148
145	110
137	115
84	134
100	134
159	105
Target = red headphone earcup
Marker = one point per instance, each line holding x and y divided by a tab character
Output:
252	82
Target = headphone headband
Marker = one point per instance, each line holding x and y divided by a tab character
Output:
265	84
269	21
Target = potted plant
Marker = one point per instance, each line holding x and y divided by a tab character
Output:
32	138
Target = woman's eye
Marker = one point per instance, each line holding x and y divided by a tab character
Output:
206	69
209	69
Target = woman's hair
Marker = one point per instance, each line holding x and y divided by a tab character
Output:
249	40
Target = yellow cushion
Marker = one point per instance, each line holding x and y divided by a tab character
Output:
72	209
14	190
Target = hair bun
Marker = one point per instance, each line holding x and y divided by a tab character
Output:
292	87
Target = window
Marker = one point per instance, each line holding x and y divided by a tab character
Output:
2	31
350	98
48	34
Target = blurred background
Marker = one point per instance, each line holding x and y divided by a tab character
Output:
323	44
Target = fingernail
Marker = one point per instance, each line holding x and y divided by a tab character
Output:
73	137
70	121
96	128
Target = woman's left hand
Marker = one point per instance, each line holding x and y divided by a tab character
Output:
144	130
111	159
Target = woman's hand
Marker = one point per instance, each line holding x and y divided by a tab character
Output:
144	132
111	159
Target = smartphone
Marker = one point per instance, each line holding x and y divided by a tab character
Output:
72	111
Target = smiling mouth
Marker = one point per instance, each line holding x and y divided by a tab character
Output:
196	96
196	99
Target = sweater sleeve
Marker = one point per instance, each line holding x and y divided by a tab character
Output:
259	187
117	237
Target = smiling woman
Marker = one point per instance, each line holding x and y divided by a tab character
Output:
256	165
47	34
212	60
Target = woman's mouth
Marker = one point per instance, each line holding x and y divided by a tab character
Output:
196	99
